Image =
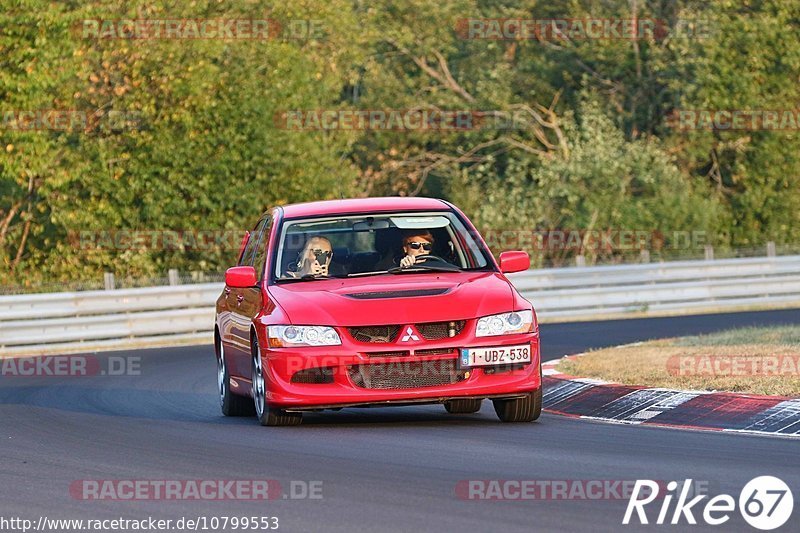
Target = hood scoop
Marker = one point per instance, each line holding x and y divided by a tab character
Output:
375	295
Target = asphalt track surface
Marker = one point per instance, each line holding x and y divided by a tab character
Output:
392	469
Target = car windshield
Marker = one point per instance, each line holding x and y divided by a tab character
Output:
364	245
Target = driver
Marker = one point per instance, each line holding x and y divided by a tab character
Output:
314	259
416	244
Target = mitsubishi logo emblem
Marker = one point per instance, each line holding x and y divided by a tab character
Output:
409	336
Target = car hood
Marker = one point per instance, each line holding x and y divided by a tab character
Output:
394	299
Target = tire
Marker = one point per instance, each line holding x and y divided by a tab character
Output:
537	402
267	416
230	403
525	409
463	407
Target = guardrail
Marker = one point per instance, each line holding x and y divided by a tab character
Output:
66	321
655	287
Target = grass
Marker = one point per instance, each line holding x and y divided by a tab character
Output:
749	360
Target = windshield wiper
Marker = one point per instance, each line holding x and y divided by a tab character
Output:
364	274
307	277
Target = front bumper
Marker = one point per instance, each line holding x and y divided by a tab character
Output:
341	362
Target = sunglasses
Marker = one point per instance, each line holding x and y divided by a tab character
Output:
322	255
417	245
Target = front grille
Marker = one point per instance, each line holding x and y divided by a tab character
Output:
398	353
314	375
375	333
396	294
406	374
435	351
430	331
433	331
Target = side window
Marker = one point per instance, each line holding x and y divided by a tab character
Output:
255	235
261	248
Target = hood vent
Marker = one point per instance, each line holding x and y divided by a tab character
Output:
396	294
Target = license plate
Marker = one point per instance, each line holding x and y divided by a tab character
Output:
495	355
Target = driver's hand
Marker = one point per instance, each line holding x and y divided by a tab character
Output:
407	261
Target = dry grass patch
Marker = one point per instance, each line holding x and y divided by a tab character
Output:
751	360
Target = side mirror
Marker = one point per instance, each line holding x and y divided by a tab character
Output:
240	277
515	261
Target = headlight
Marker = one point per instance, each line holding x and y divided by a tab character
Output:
505	324
283	336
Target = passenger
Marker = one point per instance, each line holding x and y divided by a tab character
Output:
416	244
314	259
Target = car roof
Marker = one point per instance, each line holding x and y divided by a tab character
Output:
363	205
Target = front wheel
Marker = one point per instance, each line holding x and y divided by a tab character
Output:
267	416
525	409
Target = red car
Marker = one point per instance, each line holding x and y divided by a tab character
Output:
374	302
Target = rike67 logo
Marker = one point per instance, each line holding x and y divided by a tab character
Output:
765	503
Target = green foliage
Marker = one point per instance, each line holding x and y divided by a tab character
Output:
200	151
606	183
199	146
748	63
